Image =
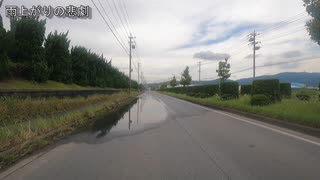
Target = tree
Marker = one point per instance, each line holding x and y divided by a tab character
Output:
224	69
79	58
4	65
58	57
40	69
1	23
163	86
313	8
173	82
29	36
186	78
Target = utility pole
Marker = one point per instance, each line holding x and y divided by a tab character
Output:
199	71
130	57
141	79
138	76
254	43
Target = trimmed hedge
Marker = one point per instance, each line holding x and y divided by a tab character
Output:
285	90
246	89
229	90
196	91
268	87
303	97
260	100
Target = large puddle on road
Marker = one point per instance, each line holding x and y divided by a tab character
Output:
145	113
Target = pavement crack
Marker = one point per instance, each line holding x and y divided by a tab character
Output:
212	159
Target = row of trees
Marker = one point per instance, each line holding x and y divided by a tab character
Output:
26	53
223	73
185	79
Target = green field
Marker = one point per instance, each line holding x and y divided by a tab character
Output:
52	85
292	110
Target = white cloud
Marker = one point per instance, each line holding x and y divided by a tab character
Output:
208	55
160	26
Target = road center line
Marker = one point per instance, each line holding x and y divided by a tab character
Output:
250	122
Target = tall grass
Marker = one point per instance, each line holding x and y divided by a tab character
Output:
15	110
291	110
24	84
17	133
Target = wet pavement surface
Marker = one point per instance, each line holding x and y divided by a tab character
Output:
145	113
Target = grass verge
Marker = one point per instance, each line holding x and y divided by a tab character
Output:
291	110
20	139
49	85
15	110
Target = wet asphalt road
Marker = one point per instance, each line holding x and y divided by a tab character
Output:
160	137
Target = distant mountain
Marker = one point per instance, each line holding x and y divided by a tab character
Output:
310	79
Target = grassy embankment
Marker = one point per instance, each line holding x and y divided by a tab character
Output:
52	85
29	124
292	110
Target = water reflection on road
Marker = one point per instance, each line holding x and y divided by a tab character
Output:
145	113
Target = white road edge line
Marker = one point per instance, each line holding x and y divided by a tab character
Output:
250	122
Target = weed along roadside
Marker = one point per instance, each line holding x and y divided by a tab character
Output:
38	122
267	100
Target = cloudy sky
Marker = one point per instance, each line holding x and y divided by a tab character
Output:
173	34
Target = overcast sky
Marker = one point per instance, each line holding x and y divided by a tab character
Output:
172	34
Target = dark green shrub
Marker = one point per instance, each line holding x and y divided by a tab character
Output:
228	96
268	87
211	90
204	95
229	90
260	100
303	97
205	90
58	57
40	71
285	90
246	89
4	66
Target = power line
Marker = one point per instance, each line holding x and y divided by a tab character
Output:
266	27
109	27
285	34
125	12
272	64
117	12
279	25
116	18
115	29
284	23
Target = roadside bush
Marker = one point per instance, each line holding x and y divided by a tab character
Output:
246	89
4	66
196	91
285	90
204	95
260	100
40	72
267	87
229	90
303	97
228	96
